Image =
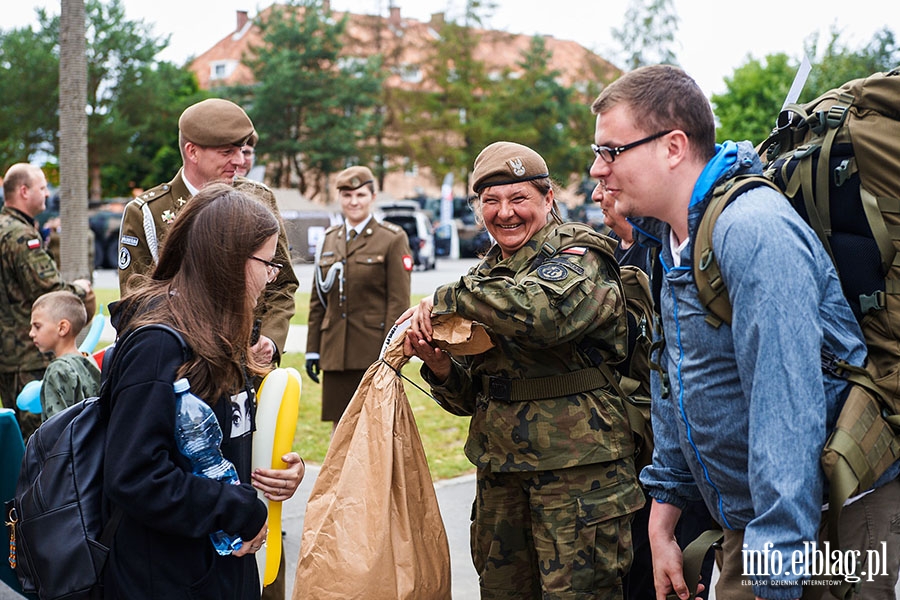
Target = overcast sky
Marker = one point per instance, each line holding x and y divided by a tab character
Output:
714	36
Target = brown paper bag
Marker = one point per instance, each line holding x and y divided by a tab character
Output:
373	528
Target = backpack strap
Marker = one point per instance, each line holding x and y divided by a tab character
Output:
109	529
707	275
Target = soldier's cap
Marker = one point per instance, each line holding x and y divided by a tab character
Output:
502	163
216	122
354	178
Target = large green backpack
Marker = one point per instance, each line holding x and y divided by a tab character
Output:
837	159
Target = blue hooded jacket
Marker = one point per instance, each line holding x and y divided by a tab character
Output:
749	408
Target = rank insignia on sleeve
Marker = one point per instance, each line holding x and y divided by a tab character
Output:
577	250
407	262
33	244
552	271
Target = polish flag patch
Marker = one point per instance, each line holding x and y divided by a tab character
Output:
407	262
577	250
33	244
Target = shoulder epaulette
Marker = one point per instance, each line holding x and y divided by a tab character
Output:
152	194
333	228
391	226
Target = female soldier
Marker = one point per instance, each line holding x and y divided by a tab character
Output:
214	265
361	284
553	449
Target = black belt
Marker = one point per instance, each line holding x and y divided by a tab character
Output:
541	388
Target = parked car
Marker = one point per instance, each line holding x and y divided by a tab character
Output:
105	219
474	239
416	224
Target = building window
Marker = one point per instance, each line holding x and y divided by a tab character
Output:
410	73
221	69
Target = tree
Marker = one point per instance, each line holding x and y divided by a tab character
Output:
73	136
447	122
838	63
753	98
152	109
315	110
648	33
29	75
124	80
552	119
119	55
756	91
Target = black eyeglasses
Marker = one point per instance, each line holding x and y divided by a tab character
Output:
609	154
272	268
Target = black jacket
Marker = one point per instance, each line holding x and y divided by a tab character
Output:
162	547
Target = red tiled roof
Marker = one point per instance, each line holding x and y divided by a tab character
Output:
407	44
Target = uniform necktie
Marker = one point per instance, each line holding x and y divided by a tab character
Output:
351	236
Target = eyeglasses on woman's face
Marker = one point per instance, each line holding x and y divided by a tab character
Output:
272	268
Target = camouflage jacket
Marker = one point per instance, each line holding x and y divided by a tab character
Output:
69	379
541	319
26	272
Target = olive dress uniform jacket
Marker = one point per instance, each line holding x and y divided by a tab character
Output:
348	334
146	222
26	271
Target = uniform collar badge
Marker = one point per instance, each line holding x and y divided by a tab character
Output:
168	216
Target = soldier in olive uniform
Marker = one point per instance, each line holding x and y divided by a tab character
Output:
211	135
556	483
26	272
361	284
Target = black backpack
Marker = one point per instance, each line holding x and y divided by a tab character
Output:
59	540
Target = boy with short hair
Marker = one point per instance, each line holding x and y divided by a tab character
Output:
56	319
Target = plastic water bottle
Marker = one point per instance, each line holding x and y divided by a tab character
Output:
199	437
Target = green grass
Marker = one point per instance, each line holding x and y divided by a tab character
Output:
443	435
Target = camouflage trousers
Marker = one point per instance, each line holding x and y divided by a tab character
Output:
11	384
561	534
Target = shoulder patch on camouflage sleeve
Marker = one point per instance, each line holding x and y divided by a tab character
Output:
553	271
577	250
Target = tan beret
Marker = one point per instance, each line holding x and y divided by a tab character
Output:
216	122
353	178
507	162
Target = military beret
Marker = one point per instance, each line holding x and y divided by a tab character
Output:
502	163
216	122
354	178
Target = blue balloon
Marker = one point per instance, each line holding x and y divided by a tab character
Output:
93	335
29	398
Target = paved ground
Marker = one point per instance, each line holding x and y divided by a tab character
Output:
454	497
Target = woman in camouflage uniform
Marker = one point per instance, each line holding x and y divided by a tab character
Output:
556	483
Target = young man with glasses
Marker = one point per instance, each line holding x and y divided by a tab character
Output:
748	407
212	136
